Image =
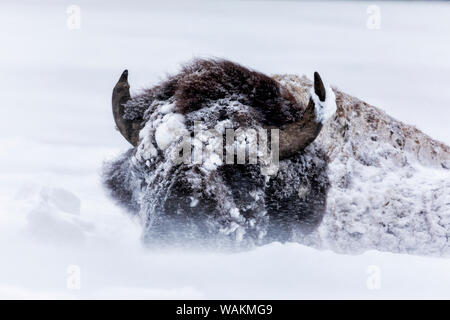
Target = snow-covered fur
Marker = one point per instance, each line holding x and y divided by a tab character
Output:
367	182
203	82
389	182
211	201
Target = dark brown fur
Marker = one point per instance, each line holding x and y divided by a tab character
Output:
205	81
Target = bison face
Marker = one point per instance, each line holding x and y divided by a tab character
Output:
216	199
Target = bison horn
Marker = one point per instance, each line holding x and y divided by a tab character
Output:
319	88
121	94
297	136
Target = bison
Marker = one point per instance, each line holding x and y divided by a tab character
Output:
345	175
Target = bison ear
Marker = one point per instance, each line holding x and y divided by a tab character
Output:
120	96
319	87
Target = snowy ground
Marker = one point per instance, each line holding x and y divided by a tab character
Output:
58	227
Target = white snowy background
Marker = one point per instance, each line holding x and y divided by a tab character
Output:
62	237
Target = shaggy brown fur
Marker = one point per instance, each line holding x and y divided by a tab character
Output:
204	81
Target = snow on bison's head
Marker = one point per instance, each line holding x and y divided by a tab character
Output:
199	171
